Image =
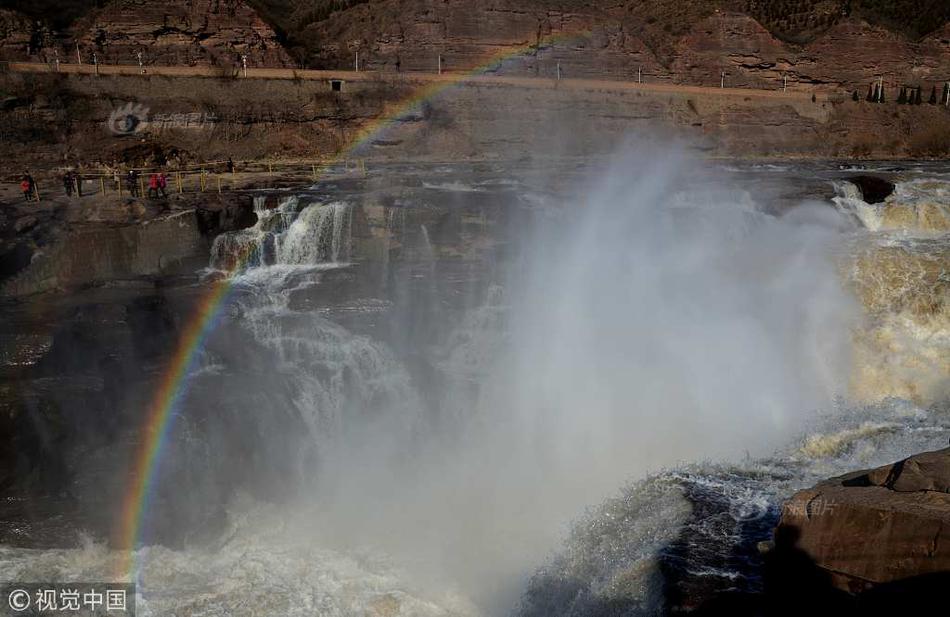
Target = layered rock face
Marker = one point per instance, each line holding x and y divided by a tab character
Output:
184	32
597	40
513	36
620	40
884	526
849	55
15	34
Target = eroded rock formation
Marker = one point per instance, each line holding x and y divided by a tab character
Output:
884	526
694	43
181	32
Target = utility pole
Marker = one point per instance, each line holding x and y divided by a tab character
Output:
357	63
78	55
722	80
559	71
440	64
244	64
639	75
138	55
784	82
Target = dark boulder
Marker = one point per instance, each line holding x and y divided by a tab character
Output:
874	190
884	526
225	214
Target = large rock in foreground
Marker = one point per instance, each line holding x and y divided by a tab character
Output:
884	526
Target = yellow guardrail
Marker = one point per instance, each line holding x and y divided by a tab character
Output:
211	176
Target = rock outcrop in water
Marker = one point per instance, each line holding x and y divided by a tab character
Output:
217	216
873	189
886	526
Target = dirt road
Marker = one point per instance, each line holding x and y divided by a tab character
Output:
423	79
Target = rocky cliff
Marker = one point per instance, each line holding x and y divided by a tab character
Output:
183	32
828	45
618	41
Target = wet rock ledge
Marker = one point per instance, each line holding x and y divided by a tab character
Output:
42	250
882	534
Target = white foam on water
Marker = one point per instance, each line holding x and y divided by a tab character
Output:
647	328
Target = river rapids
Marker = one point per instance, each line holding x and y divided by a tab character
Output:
492	390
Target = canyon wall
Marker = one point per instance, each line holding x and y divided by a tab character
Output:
692	43
599	41
182	32
65	118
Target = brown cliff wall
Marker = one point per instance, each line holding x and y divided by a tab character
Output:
688	43
596	40
183	32
65	117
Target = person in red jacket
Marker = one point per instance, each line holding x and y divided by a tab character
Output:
163	183
153	186
27	189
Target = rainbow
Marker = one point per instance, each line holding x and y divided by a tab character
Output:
173	386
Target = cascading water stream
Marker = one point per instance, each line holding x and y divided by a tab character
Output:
288	235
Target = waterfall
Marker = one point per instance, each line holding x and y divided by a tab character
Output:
288	235
320	234
850	202
918	207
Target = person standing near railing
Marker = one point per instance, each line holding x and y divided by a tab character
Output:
26	186
153	186
131	180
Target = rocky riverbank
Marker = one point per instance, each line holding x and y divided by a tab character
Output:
65	244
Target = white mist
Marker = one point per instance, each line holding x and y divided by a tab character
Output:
661	318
